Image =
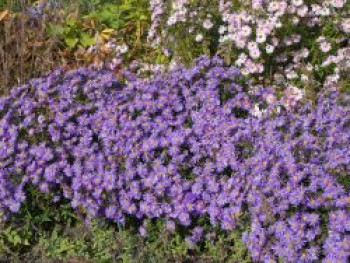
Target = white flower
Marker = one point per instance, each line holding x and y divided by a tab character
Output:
224	39
173	64
295	20
226	17
345	25
302	11
256	4
278	24
254	53
325	11
122	49
171	20
241	59
257	112
295	93
167	52
261	38
260	68
309	67
305	52
338	3
278	109
291	75
269	49
252	45
110	45
321	39
304	78
222	30
231	36
297	2
325	46
240	43
273	6
296	38
199	38
246	31
207	24
244	72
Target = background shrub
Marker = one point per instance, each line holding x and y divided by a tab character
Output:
277	43
26	51
43	35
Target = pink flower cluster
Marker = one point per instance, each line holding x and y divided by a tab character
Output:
279	42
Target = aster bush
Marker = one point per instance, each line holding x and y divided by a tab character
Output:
283	43
197	148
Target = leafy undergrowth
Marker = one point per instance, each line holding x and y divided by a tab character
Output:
49	231
39	36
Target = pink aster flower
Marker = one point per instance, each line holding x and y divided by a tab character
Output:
325	46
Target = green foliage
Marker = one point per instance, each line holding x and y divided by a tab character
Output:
108	15
85	26
73	33
37	216
96	243
103	25
50	231
182	42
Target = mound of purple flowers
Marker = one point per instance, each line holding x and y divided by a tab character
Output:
184	146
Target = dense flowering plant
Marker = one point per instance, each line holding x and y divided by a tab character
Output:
185	146
279	42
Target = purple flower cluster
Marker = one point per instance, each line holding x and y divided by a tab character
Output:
183	146
298	158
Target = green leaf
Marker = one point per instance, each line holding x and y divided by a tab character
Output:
86	40
54	30
71	42
117	24
26	242
143	18
71	22
125	7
